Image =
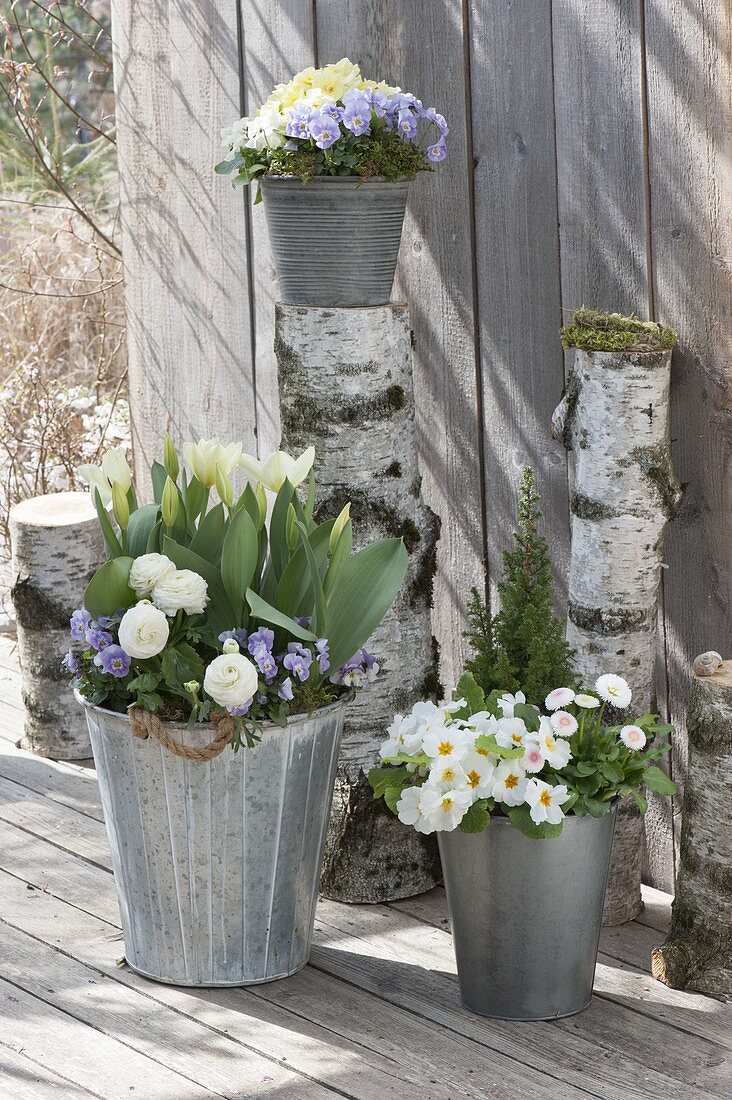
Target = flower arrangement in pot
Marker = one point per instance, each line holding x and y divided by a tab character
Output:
239	626
522	793
332	154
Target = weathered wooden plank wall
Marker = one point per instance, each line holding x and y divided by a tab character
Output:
588	148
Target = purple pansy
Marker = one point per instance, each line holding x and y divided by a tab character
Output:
113	660
303	620
239	635
407	124
241	709
285	689
266	664
362	666
439	120
71	663
322	654
324	130
298	121
262	639
78	623
335	113
98	639
298	660
437	152
357	115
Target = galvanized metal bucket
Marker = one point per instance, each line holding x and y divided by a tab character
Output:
217	864
335	240
526	915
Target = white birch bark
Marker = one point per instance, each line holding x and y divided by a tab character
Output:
56	547
346	388
697	953
614	417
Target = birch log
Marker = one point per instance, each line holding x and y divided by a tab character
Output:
56	547
614	417
697	953
346	387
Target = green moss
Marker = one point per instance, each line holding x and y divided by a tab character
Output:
383	154
607	620
593	330
370	511
422	584
655	464
585	508
394	469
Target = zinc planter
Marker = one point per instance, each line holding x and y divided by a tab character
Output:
335	240
526	915
217	863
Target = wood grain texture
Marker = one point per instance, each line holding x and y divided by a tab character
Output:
435	278
176	68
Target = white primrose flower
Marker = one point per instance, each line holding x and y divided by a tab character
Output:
147	570
587	702
509	783
446	773
507	702
143	631
511	733
445	741
181	590
234	136
563	723
278	468
545	801
444	810
533	758
403	736
409	809
633	737
555	749
231	679
479	768
483	722
614	690
266	130
560	697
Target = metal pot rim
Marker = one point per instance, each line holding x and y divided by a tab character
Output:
345	183
341	702
570	817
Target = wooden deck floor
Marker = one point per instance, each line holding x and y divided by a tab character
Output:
375	1015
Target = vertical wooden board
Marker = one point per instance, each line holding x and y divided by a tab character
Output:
277	40
421	48
599	105
176	69
689	52
518	268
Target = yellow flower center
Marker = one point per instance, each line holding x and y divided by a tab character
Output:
447	803
550	743
545	798
516	738
473	779
482	752
510	781
448	775
445	748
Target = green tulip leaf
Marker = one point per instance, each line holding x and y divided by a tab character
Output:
368	583
266	613
142	523
109	588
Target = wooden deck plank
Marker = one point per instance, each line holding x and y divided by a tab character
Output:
22	1079
59	781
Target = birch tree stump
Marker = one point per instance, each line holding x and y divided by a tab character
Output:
346	387
614	417
697	953
56	547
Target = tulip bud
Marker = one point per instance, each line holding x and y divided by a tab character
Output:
262	502
169	503
230	646
224	486
120	506
293	536
170	458
337	529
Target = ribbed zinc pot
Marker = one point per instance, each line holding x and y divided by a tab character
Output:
217	863
526	915
335	239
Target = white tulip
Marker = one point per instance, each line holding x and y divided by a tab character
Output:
148	570
277	468
181	590
204	456
231	680
113	470
143	631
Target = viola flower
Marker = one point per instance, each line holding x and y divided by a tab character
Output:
509	783
407	124
78	623
633	737
238	634
324	130
444	810
357	115
266	664
71	663
285	689
98	639
241	709
303	620
298	660
113	660
261	639
560	697
563	723
437	152
614	690
545	801
370	665
322	654
299	118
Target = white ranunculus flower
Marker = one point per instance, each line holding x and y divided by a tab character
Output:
614	690
181	590
231	680
143	631
204	456
277	468
147	570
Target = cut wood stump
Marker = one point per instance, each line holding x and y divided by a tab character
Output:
56	547
697	953
614	417
346	388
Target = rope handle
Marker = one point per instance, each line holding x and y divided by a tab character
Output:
144	723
